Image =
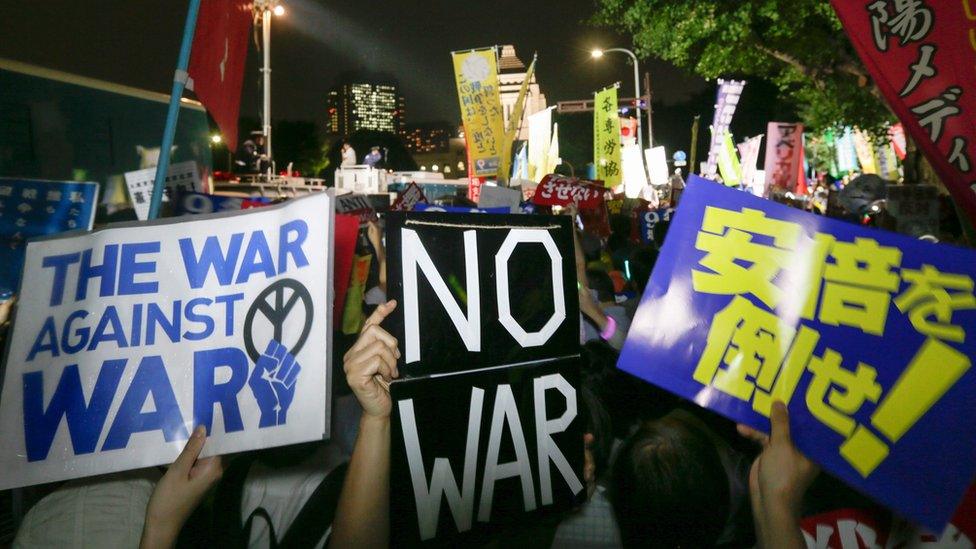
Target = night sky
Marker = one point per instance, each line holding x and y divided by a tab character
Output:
136	43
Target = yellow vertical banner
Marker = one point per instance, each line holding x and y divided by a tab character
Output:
514	125
476	74
606	137
865	152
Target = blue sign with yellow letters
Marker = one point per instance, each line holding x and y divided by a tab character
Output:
866	335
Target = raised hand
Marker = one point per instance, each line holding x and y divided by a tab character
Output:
273	383
370	364
179	492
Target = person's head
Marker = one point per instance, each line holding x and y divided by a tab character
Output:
640	264
375	149
668	486
602	283
346	145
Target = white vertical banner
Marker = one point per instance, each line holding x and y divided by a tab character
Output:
657	165
540	135
634	176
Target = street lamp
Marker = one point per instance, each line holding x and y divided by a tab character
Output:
597	54
216	139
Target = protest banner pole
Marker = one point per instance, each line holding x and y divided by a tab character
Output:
694	144
179	82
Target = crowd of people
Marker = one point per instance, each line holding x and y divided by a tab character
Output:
659	471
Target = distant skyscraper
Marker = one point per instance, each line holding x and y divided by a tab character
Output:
428	138
511	74
364	105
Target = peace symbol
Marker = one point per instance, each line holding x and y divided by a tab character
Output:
277	313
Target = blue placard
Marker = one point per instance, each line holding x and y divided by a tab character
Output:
647	220
866	335
420	207
194	203
31	207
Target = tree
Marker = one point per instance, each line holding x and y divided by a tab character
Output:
799	45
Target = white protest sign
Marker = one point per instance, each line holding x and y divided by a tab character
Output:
657	165
129	337
183	176
498	197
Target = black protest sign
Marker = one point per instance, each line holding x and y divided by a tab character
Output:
477	451
356	204
481	290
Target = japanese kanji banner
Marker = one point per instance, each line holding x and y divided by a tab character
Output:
749	151
728	162
726	100
33	207
866	156
606	137
920	55
865	335
784	155
476	74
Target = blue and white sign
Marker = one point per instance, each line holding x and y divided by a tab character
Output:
135	334
30	208
459	209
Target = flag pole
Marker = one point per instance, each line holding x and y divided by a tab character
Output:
179	82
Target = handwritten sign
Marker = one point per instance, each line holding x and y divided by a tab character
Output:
182	177
133	335
866	335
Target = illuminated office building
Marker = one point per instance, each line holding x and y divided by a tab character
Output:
362	105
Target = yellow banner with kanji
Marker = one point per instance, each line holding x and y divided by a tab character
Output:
606	137
476	75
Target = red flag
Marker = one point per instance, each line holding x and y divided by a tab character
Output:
921	57
217	61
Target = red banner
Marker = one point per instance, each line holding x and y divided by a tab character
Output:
558	190
921	58
784	155
217	61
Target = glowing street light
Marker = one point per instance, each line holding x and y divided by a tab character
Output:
279	10
216	139
597	53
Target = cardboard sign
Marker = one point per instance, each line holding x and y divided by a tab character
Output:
191	203
182	176
499	197
487	414
866	335
356	204
30	208
480	290
409	198
135	334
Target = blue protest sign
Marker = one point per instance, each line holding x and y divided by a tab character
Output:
647	220
457	209
864	334
194	203
31	207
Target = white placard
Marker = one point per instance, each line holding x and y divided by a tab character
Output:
181	176
130	336
657	165
498	197
634	176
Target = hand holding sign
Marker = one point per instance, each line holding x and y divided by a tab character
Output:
273	383
179	492
371	364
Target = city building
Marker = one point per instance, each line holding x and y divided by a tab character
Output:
511	74
361	104
428	138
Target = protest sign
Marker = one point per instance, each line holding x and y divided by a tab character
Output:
493	196
476	75
726	101
646	221
221	320
559	190
489	342
344	251
457	209
915	209
784	155
606	137
920	57
191	203
865	334
356	204
411	195
657	165
183	176
30	208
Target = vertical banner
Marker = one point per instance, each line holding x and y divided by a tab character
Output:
867	336
540	137
30	208
657	165
515	124
920	55
846	152
606	137
486	422
864	147
133	335
476	74
728	162
784	155
552	157
887	161
726	100
749	153
634	175
897	135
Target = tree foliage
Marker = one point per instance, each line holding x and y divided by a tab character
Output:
799	45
